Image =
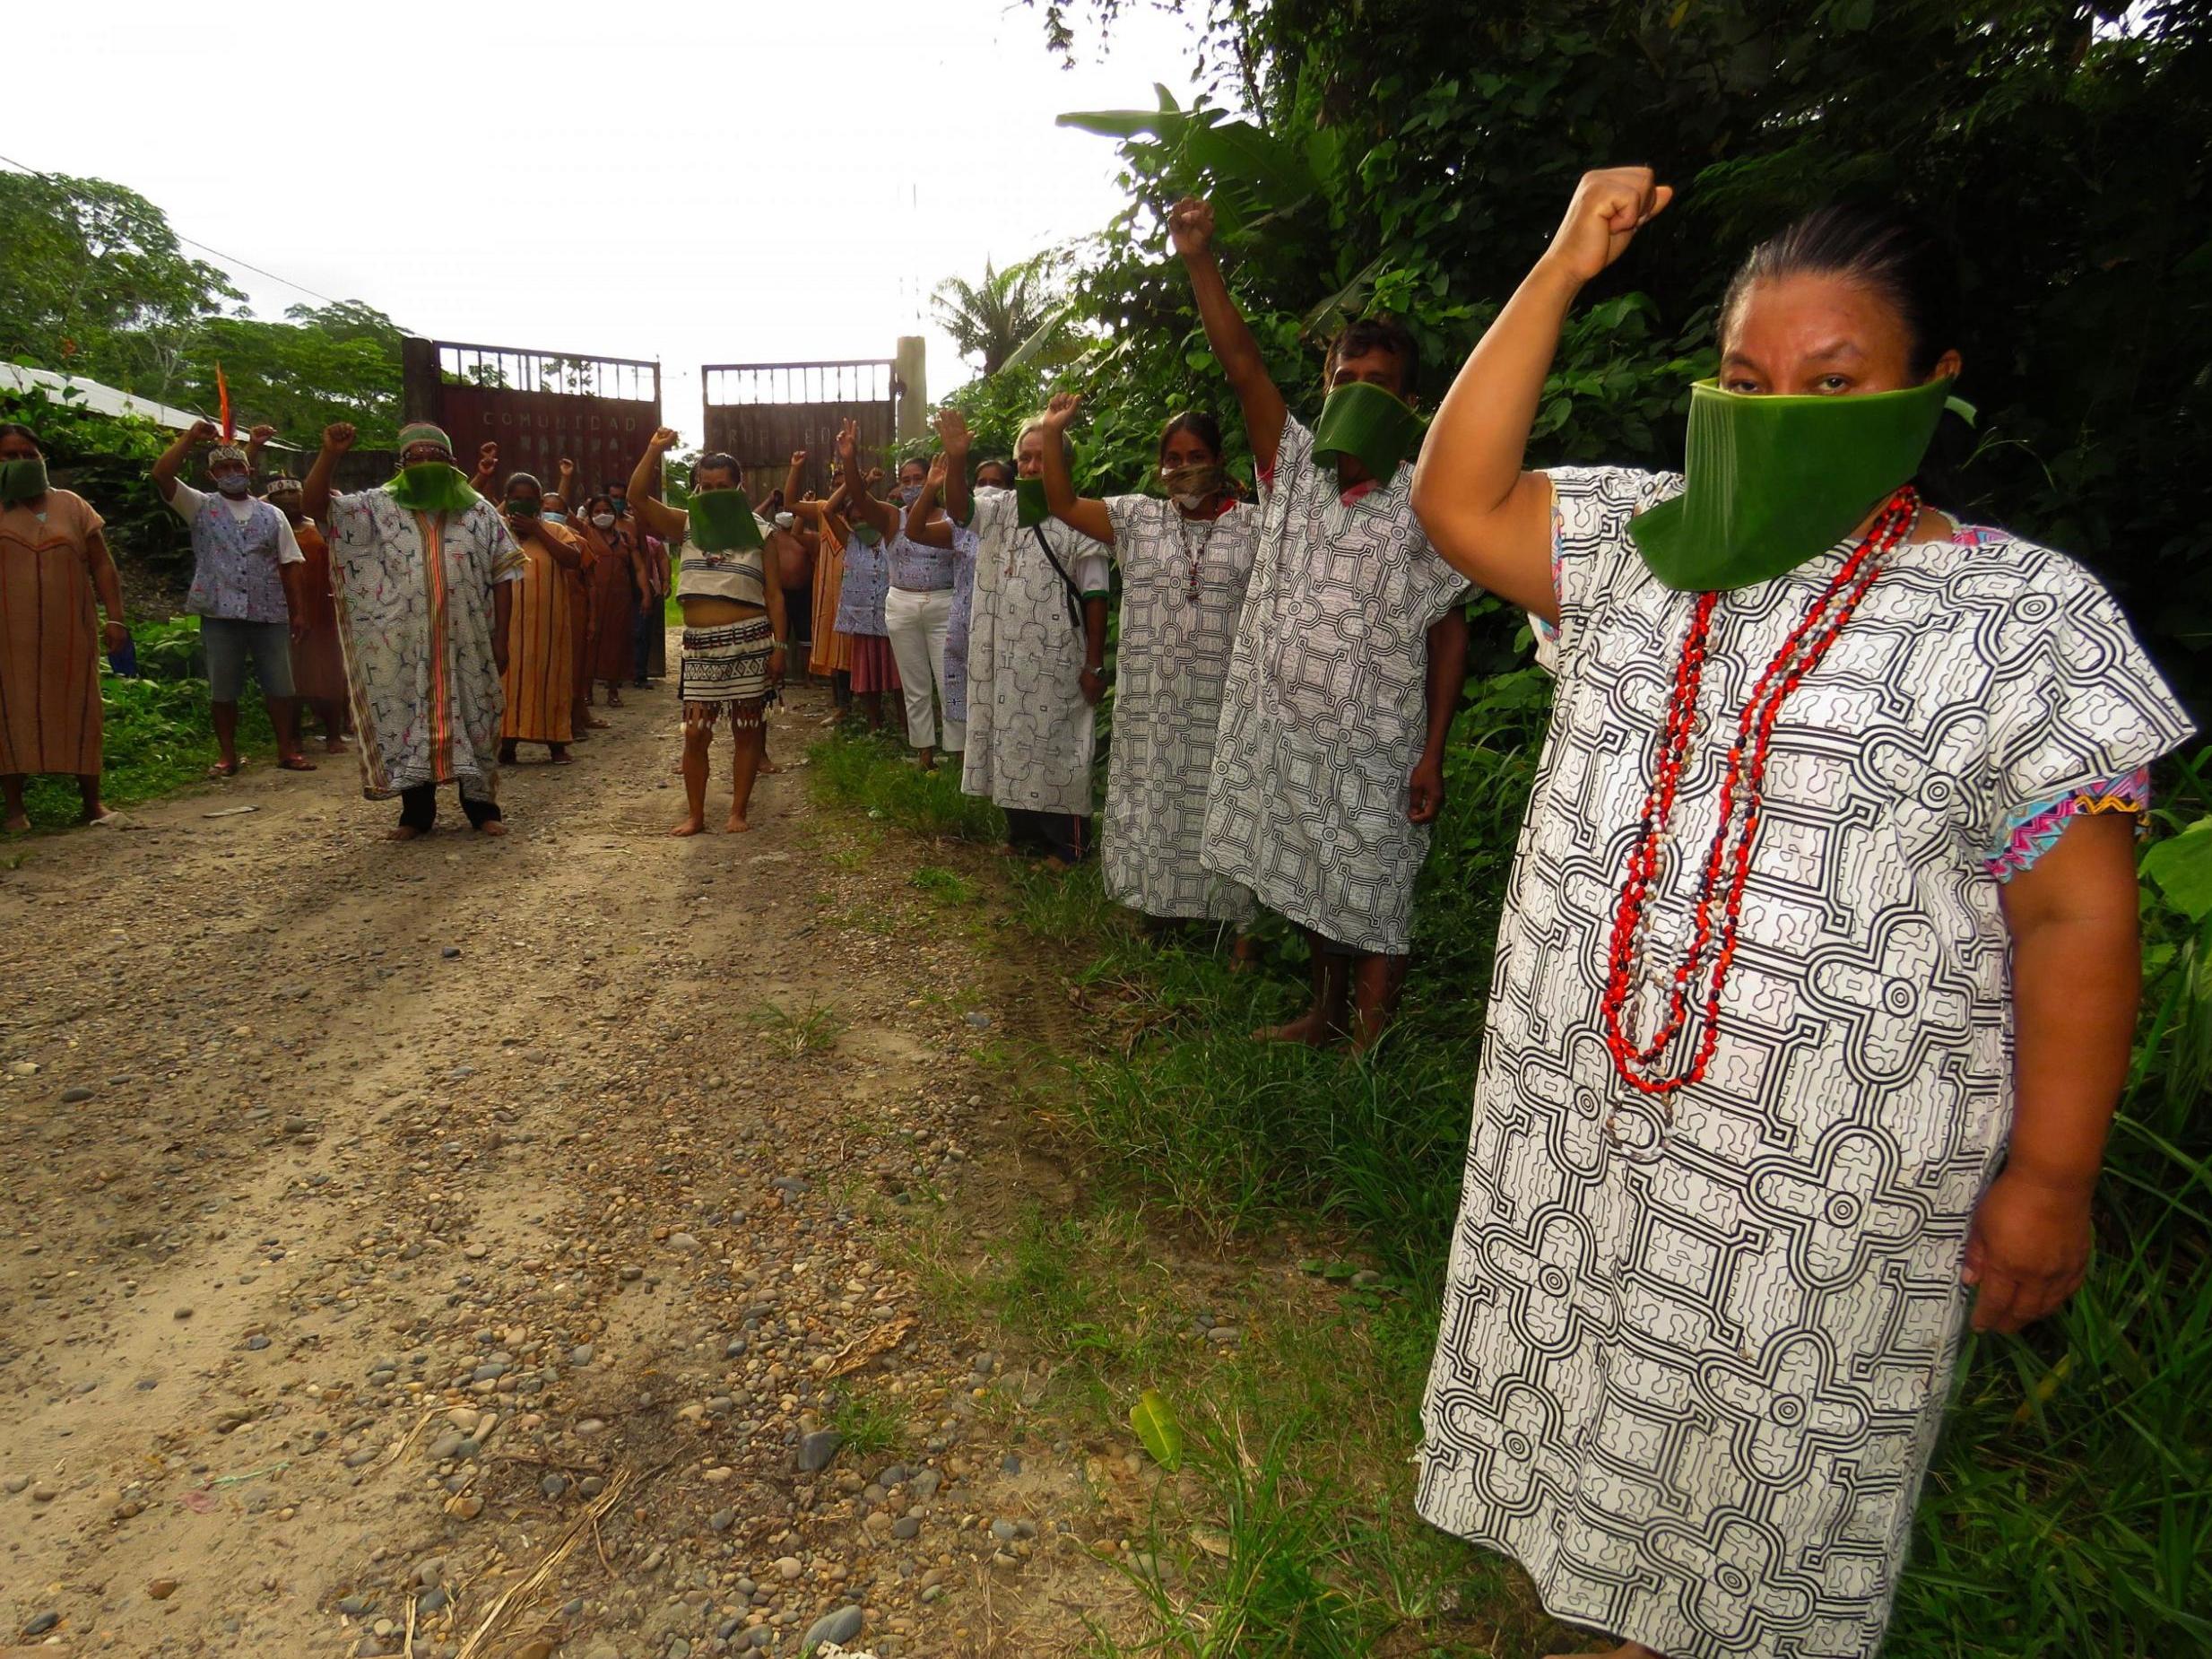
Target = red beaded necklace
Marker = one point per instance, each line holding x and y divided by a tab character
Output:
1742	794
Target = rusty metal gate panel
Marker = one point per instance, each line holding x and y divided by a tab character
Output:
538	407
759	413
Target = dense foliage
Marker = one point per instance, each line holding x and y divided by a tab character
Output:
1408	156
1411	156
94	281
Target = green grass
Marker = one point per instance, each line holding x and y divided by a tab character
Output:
947	887
871	1423
798	1031
158	736
866	772
2069	1509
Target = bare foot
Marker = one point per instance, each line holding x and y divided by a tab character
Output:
405	832
1311	1029
492	826
561	757
333	745
768	767
16	823
226	769
737	826
596	724
690	826
96	813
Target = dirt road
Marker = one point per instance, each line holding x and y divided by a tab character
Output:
467	1247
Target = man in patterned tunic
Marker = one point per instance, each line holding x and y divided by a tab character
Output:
425	569
1351	654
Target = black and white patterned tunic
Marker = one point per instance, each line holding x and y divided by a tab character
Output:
1173	659
1326	708
1689	1374
1030	732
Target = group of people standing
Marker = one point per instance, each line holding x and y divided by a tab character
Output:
1817	972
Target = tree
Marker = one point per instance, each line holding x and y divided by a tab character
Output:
93	280
329	363
996	318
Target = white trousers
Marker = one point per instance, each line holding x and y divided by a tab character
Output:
917	623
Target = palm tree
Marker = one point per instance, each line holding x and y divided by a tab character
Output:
994	318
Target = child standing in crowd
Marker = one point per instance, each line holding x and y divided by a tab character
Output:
865	586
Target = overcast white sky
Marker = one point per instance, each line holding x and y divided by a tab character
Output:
762	180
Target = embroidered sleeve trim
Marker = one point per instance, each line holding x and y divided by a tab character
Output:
2029	835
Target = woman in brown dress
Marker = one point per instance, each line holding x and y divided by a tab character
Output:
53	559
618	586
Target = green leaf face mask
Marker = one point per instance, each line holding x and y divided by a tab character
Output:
1371	425
722	522
1773	482
22	480
1029	509
433	487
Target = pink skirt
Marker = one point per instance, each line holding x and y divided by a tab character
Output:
875	668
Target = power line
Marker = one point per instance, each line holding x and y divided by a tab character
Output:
231	259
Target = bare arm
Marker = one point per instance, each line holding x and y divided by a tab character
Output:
1447	675
778	622
1189	227
314	489
2076	977
255	441
923	526
1490	520
645	477
794	479
294	578
1090	516
565	548
108	583
860	506
171	460
953	434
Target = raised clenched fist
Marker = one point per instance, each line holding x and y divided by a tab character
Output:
1190	225
338	436
1609	207
663	439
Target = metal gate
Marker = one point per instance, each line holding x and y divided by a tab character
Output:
761	412
540	407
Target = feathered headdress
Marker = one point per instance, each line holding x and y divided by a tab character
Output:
226	444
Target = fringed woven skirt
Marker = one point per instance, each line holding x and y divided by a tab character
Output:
728	664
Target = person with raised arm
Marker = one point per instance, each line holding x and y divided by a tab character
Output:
830	653
425	573
864	588
917	612
1185	557
1036	648
926	524
246	590
1817	972
734	628
1350	654
538	681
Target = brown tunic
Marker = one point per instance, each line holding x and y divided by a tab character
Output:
318	661
541	651
49	645
615	610
832	650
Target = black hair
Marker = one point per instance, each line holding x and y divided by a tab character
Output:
592	500
1199	424
526	478
716	461
1003	465
1378	334
1892	253
16	428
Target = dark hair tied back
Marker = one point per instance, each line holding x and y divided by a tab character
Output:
1199	424
16	428
1891	254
